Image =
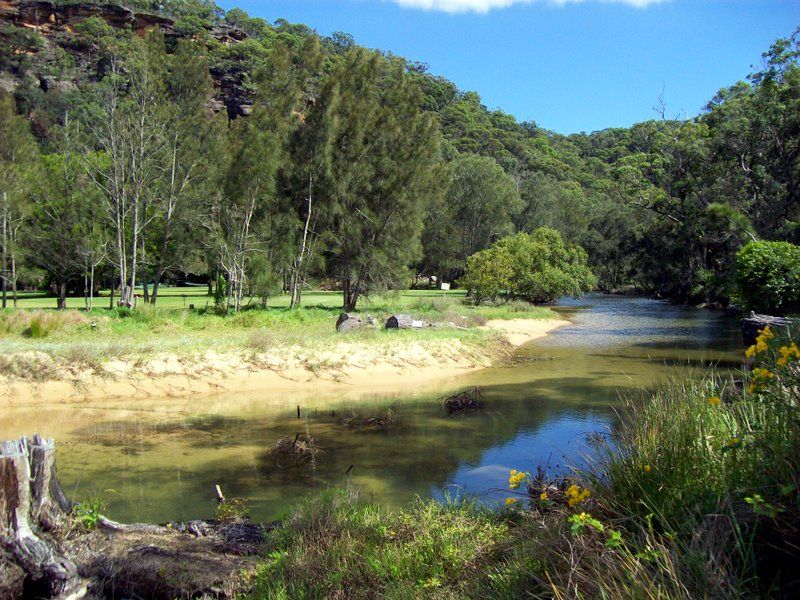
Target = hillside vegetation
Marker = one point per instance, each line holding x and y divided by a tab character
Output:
355	169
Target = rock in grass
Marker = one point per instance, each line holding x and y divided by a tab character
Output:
348	322
404	322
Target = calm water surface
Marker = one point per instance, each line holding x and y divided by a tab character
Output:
158	459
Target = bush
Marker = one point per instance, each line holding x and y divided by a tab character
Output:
537	267
768	277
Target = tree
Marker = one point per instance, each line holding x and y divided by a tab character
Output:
478	208
18	161
537	267
62	234
381	173
130	127
190	139
768	277
238	217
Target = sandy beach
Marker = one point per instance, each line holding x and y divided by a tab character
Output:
292	369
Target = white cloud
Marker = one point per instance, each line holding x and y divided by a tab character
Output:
484	6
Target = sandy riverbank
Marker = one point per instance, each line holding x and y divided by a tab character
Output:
346	364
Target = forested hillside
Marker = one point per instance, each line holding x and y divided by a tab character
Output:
142	144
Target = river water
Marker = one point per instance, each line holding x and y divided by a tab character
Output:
158	459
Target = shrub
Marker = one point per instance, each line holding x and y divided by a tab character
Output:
768	277
537	267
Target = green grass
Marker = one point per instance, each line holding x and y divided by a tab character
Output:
88	339
697	494
339	546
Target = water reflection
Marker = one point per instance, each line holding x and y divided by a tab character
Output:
159	459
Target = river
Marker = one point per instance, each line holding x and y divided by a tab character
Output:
158	460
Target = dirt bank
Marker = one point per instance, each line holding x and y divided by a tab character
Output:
346	364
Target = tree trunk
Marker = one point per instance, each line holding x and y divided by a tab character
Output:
14	279
91	287
86	289
31	503
3	259
62	295
296	282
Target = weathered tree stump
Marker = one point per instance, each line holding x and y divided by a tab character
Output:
32	504
404	322
348	322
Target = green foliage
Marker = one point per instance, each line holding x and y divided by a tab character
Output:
381	177
768	277
662	206
537	268
337	545
232	510
88	512
478	207
488	275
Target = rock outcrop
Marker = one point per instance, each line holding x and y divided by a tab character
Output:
55	22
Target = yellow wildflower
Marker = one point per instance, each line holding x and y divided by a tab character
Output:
576	495
515	478
788	353
543	496
714	400
760	373
759	378
761	344
511	501
647	468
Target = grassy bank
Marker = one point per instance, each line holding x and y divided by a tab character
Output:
37	342
697	495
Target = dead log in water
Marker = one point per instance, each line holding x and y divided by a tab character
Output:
468	401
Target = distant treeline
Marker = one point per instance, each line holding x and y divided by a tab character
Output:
357	169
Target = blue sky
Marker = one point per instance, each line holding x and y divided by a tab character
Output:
569	65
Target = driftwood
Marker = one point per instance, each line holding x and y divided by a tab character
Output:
348	322
289	452
755	324
404	322
383	422
468	401
32	505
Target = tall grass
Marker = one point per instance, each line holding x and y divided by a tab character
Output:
696	495
703	481
338	546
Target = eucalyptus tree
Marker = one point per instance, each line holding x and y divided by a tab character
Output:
191	139
129	127
239	217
